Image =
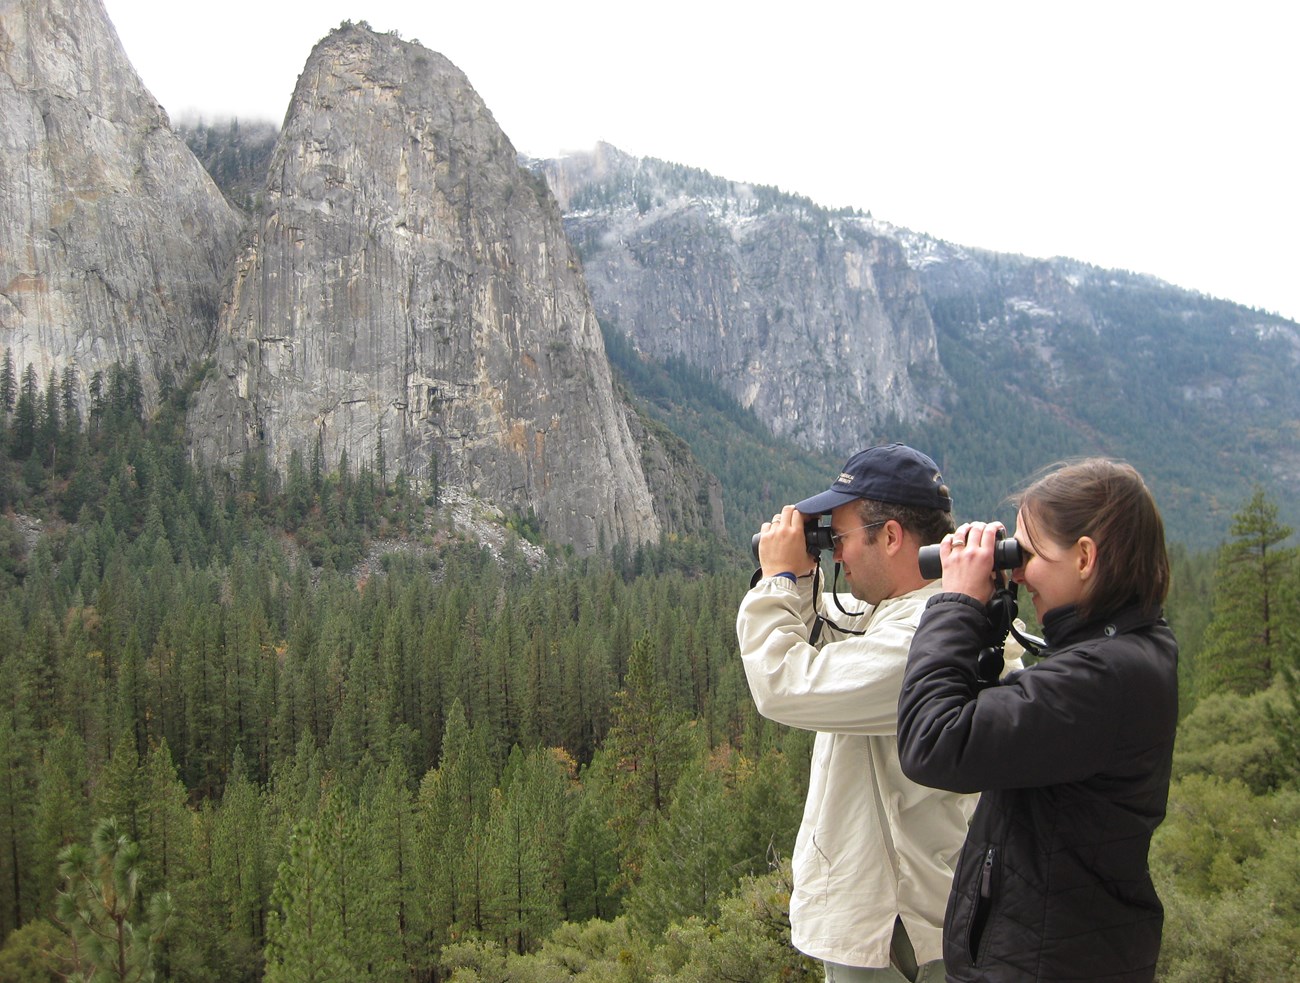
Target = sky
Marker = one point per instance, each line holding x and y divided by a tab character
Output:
1155	137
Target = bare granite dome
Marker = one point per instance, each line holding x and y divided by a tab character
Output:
407	281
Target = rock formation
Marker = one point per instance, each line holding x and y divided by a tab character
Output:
113	238
406	281
805	315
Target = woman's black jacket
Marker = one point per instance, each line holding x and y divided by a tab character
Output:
1073	756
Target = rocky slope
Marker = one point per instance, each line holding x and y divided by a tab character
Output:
406	281
113	238
1195	391
810	318
839	330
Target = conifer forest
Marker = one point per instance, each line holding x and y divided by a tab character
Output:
301	728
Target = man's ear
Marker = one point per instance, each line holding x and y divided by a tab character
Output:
1085	557
894	535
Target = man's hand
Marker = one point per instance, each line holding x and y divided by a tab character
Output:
782	547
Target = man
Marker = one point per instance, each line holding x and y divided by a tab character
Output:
874	855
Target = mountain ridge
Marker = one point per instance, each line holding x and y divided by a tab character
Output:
1040	359
397	291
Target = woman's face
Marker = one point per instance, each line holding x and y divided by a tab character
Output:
1055	574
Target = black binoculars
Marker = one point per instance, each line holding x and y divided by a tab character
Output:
1007	555
815	535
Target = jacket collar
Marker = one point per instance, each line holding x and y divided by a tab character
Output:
1062	626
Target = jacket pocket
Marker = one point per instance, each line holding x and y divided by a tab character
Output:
983	903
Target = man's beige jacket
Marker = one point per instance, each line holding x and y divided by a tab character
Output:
873	845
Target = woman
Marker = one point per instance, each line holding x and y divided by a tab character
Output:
1073	753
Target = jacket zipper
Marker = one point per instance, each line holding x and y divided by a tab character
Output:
983	905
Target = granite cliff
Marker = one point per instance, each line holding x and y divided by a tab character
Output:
407	282
808	317
838	329
113	238
404	283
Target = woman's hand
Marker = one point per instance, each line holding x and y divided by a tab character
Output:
967	558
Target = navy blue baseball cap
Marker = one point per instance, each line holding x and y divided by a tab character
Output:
889	473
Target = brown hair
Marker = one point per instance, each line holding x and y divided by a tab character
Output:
1109	502
929	525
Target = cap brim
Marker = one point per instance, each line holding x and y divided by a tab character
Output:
823	503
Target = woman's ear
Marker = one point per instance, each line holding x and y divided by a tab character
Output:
1085	557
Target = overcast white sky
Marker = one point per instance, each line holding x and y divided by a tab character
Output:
1158	137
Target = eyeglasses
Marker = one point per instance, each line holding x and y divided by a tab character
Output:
838	537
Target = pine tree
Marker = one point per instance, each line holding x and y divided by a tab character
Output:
317	473
61	810
305	929
126	394
390	833
452	808
403	681
688	865
248	644
241	871
1244	643
200	675
770	806
169	862
292	796
8	383
97	404
591	871
1285	720
18	889
99	908
167	825
526	838
651	744
1188	610
47	429
362	727
132	700
342	838
26	416
298	493
118	794
68	398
